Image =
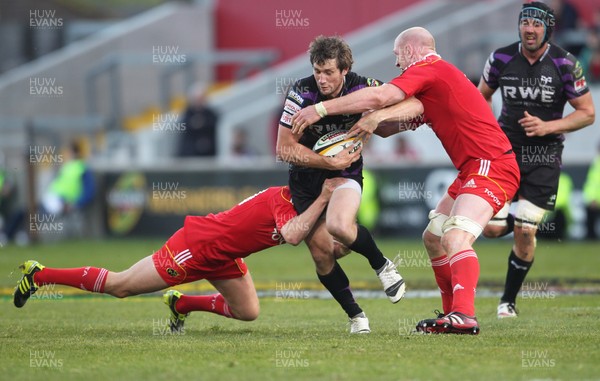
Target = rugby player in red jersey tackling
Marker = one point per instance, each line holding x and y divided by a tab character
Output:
488	172
208	247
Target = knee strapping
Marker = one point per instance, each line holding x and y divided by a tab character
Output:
436	221
462	223
500	218
528	214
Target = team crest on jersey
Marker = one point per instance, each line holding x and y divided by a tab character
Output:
373	82
578	71
545	81
172	272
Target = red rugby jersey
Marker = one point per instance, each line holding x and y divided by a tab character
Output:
250	226
455	110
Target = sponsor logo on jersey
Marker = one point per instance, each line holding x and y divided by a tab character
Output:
291	107
470	184
276	236
493	197
286	119
543	93
580	85
295	96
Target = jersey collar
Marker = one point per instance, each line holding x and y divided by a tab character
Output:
539	59
424	58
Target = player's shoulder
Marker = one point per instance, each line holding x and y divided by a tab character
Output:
303	89
569	67
506	53
561	56
285	193
279	195
281	192
260	197
353	79
305	82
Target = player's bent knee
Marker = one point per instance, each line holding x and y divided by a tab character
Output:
119	293
247	314
340	229
117	286
430	240
455	239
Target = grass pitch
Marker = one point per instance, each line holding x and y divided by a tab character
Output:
64	334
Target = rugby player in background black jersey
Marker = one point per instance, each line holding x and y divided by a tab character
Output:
536	78
331	60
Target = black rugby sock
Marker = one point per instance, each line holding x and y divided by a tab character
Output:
339	286
515	275
366	246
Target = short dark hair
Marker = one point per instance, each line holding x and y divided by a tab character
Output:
325	48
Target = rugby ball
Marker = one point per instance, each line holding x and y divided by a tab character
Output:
335	142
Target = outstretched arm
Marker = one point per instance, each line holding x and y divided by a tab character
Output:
405	115
295	230
369	98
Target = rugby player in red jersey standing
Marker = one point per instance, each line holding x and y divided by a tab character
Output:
439	94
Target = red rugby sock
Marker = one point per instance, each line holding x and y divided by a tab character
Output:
86	278
443	277
465	274
210	303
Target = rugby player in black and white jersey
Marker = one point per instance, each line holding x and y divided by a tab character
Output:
331	60
536	79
